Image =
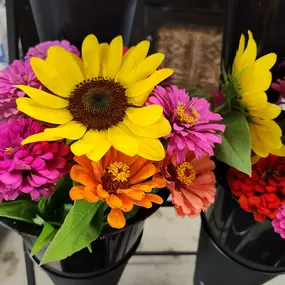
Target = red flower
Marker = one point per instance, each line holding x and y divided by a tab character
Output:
264	192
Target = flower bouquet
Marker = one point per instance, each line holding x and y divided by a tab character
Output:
246	223
92	143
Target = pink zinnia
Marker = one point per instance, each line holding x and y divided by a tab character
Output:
33	168
191	182
192	122
19	72
41	49
279	222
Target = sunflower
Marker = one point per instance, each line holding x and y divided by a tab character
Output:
117	179
97	100
252	77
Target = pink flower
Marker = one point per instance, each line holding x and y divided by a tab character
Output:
19	72
279	222
193	124
33	168
41	49
192	183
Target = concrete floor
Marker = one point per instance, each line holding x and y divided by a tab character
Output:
161	233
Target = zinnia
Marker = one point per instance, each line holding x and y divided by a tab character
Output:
252	78
192	183
279	222
97	100
19	72
41	49
264	192
119	180
193	124
33	169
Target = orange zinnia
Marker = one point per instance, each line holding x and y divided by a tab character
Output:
118	180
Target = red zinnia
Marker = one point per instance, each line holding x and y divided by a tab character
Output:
264	192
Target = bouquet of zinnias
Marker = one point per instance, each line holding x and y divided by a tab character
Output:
88	139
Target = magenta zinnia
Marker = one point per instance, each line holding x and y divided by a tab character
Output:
41	49
33	168
279	222
193	124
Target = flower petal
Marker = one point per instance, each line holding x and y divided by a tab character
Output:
77	193
145	116
90	194
116	219
41	113
123	140
101	192
50	77
239	53
127	203
159	129
88	142
44	98
79	174
91	56
151	149
114	58
254	100
271	111
132	59
100	149
145	202
147	171
143	86
154	198
144	69
65	64
136	194
72	130
40	137
103	49
114	201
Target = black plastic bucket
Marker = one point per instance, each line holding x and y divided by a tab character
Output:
74	19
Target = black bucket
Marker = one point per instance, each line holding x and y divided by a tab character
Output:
74	19
110	252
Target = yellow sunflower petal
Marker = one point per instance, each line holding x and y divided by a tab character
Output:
143	86
123	140
238	55
79	62
151	149
279	151
44	98
72	130
100	149
132	59
90	56
114	58
271	111
103	49
140	100
127	54
40	137
254	100
145	116
249	55
41	113
144	69
159	129
65	64
50	78
88	142
260	149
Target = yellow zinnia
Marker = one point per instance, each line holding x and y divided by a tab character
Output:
97	100
252	78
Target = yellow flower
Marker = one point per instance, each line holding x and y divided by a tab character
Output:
252	78
97	100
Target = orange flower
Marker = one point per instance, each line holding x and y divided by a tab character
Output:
117	179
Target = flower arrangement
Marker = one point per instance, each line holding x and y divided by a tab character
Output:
90	138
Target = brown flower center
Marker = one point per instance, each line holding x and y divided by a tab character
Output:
116	177
185	173
98	103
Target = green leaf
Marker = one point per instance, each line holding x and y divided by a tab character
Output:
45	237
132	213
79	229
21	210
235	149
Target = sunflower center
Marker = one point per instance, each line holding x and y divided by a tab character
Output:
98	103
188	116
116	176
185	173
